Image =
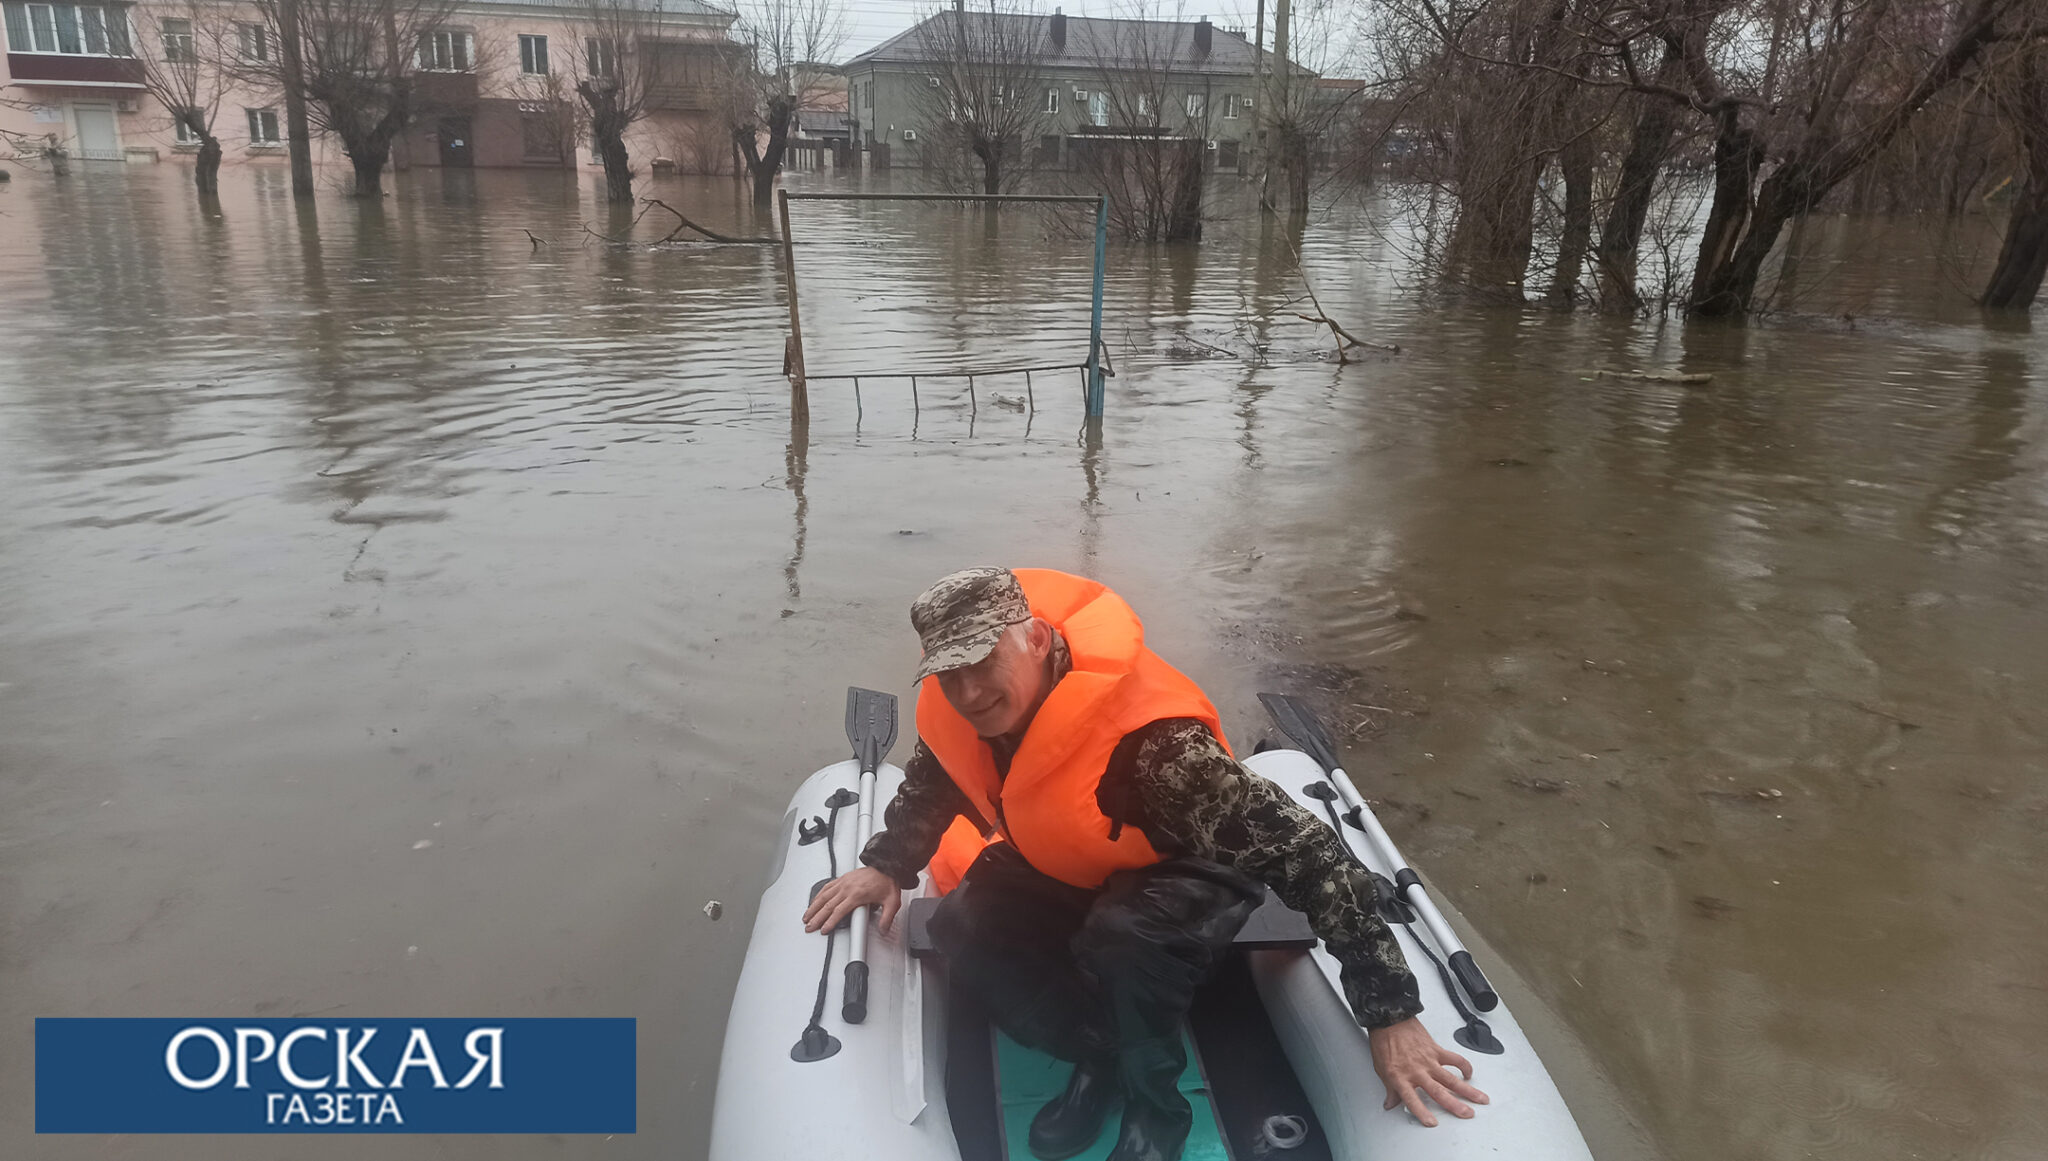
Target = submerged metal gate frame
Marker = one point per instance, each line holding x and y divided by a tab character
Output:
793	355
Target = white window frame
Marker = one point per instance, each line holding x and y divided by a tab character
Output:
1052	99
182	41
257	126
1230	107
252	42
1198	105
533	50
447	50
89	22
182	133
1144	104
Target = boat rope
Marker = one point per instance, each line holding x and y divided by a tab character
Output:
815	1043
1475	1034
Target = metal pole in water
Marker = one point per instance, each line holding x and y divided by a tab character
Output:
799	394
1094	387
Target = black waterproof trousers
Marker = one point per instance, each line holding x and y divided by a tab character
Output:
1093	975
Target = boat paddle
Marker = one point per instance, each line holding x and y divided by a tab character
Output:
1299	722
871	727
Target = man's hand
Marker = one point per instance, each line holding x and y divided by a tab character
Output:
861	887
1407	1059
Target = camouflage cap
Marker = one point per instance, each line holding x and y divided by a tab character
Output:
962	616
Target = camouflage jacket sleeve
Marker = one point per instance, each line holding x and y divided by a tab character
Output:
1176	783
916	819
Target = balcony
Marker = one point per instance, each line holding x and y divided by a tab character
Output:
70	70
444	90
681	98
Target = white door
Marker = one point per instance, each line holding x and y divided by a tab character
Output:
97	140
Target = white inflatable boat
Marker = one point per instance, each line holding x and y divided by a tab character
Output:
1280	1068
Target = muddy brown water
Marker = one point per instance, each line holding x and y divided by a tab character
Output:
400	619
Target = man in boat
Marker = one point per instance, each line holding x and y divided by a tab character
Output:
1132	849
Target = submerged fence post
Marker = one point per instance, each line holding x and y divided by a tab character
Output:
1093	392
793	359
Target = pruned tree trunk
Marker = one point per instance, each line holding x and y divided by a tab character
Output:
766	163
992	171
369	169
608	133
206	174
1576	162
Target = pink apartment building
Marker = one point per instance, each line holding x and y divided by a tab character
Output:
496	87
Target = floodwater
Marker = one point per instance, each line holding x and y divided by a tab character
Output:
399	617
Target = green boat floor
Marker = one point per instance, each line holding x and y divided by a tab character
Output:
1027	1079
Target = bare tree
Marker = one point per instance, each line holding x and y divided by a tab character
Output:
188	58
1797	94
779	70
987	106
1150	156
2019	85
619	67
360	65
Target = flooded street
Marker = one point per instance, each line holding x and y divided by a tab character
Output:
401	618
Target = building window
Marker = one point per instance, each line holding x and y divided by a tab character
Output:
183	133
1198	104
533	55
178	41
263	127
1052	100
1144	104
1230	106
446	51
253	40
602	57
73	29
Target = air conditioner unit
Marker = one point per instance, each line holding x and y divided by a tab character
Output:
1247	102
124	105
1212	144
1080	94
910	134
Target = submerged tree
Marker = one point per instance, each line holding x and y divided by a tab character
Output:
2019	87
619	69
1155	102
989	101
779	70
360	62
189	56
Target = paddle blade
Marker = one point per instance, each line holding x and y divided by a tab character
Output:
870	725
1299	722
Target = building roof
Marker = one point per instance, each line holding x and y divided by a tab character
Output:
1092	42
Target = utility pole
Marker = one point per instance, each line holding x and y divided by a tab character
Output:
297	134
1257	151
1280	70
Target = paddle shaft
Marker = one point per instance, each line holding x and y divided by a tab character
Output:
854	1001
1409	884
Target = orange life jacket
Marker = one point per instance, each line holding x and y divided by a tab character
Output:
1046	805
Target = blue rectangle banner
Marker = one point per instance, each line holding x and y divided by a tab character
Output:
336	1076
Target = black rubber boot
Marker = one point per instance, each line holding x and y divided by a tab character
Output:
1149	941
1156	1117
1070	1122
